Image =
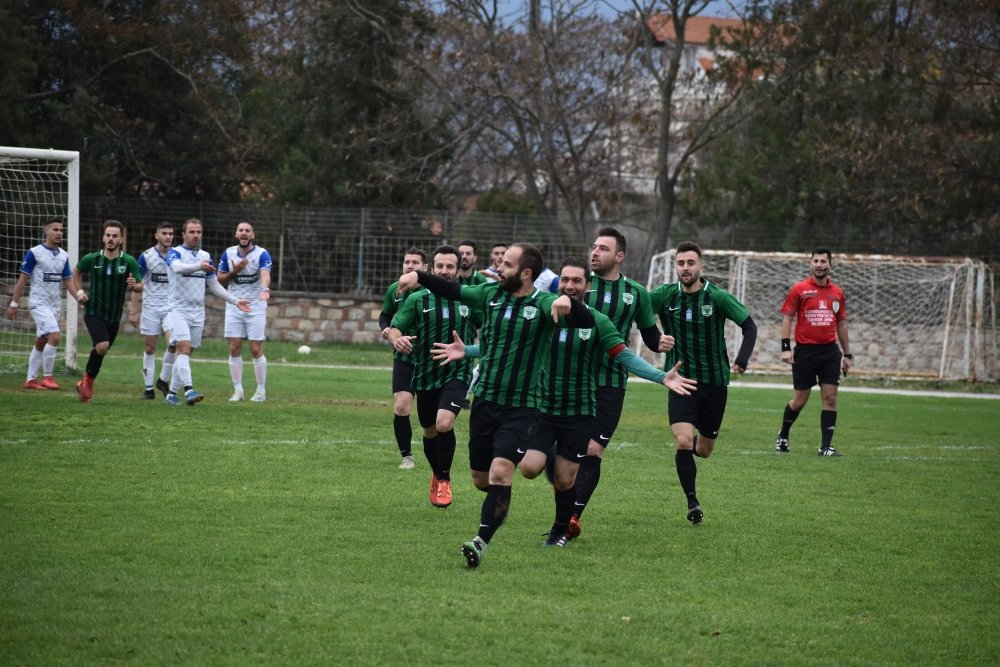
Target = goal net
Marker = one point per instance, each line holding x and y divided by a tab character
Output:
36	185
919	317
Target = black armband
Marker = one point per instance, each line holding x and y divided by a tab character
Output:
786	344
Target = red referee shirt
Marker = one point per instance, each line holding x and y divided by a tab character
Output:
816	309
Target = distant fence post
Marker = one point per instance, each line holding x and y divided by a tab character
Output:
361	251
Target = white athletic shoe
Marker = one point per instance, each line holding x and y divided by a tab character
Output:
407	463
237	396
259	396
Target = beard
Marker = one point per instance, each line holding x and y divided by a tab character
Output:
689	279
511	283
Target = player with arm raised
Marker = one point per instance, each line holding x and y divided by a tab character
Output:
190	272
426	319
518	324
694	311
47	265
246	269
414	259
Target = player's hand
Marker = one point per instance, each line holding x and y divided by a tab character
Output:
666	343
240	265
133	318
130	281
404	344
786	356
83	299
846	365
445	353
739	370
678	384
11	312
243	305
408	282
265	294
560	307
206	265
385	333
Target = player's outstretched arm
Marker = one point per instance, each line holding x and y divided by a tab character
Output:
445	353
677	383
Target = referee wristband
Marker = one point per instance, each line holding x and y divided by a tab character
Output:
786	344
848	355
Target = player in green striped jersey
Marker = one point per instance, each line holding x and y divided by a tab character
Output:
414	259
570	403
467	273
625	302
694	311
111	274
425	319
519	321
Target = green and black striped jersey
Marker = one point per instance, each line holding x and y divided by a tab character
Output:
475	278
431	319
106	293
391	305
625	302
698	324
514	343
571	387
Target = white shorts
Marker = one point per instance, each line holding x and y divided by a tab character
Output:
46	320
152	322
245	325
181	328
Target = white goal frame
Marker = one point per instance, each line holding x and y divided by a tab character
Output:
917	317
71	162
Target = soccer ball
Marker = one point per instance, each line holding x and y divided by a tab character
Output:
304	349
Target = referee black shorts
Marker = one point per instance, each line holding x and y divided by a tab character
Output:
704	408
815	362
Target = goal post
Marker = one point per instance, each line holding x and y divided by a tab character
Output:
908	317
36	185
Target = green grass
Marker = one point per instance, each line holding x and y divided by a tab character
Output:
283	533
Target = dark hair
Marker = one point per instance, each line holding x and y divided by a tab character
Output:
164	225
245	222
413	250
187	222
446	250
531	259
498	244
615	234
113	223
688	246
823	251
577	262
469	243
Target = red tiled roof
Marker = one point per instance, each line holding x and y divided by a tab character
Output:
696	30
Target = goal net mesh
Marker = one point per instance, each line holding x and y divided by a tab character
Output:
908	316
33	190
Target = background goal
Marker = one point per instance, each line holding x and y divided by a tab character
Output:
921	317
35	186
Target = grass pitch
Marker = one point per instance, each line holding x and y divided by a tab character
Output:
283	533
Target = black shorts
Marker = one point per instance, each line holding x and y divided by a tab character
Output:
815	362
100	329
703	408
570	435
449	397
499	431
609	412
402	376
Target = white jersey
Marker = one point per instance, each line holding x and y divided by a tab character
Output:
246	283
156	283
47	268
187	290
548	281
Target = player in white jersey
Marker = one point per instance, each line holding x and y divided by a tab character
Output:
246	269
155	306
47	264
190	272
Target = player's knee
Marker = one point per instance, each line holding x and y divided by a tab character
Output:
102	348
594	448
481	480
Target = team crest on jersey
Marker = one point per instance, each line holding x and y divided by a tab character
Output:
445	311
563	335
628	298
822	304
585	333
607	297
121	269
836	306
463	310
707	310
530	312
508	313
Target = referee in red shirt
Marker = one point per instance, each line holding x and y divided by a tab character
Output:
820	322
